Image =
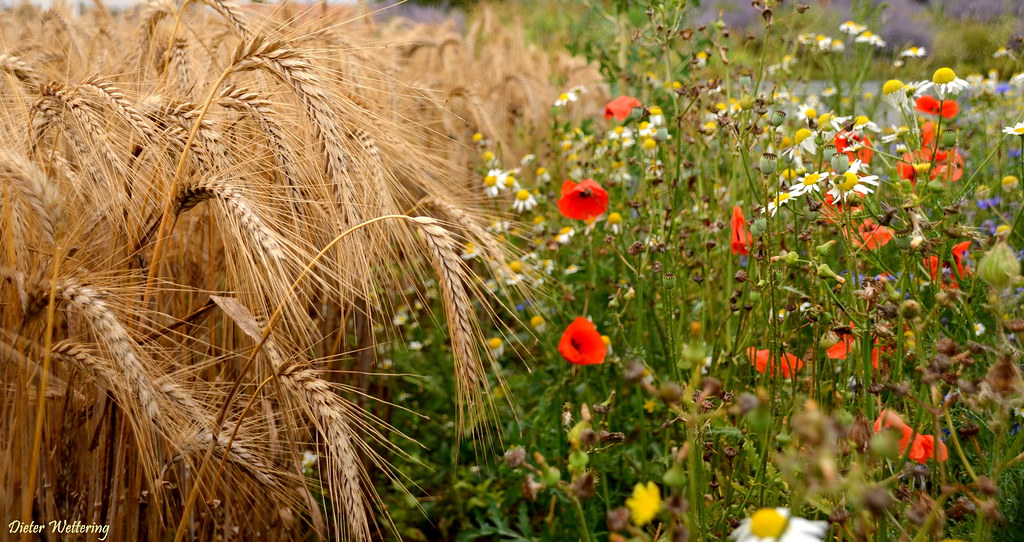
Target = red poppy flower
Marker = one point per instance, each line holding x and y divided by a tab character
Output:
621	107
841	349
924	448
844	140
581	344
762	362
741	237
947	108
583	200
947	166
872	236
958	252
889	418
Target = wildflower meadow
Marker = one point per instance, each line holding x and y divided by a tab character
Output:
526	270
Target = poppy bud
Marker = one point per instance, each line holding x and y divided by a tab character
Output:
840	163
936	186
778	117
828	340
826	272
999	266
768	163
949	138
825	248
758	227
670	392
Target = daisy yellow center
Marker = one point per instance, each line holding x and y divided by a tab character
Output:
801	135
565	230
494	343
490	180
782	197
825	118
867	34
537	321
788	174
811	112
1019	130
943	76
892	85
767	523
541	170
655	110
861	121
702	55
1003	228
650	144
615	218
510	181
487	156
850	180
606	340
477	136
538	220
516	266
1009	180
563	96
812	179
820	38
522	195
618	130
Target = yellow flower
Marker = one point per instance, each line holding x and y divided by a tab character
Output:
649	406
943	76
487	156
644	504
478	137
495	343
767	523
650	144
537	321
516	266
891	86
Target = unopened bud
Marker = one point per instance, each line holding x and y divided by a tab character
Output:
910	309
999	266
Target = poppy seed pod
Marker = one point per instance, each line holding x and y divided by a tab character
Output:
768	163
778	117
949	138
840	163
828	152
999	266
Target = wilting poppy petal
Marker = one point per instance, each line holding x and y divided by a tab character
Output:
741	238
581	344
583	201
621	107
927	447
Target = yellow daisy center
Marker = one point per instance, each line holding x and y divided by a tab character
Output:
537	321
801	135
490	180
850	180
655	110
516	266
861	120
650	144
812	179
615	218
811	112
1019	130
522	195
495	343
767	523
541	170
1009	180
892	85
943	76
563	97
782	197
1003	228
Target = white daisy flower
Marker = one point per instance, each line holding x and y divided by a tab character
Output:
1000	52
415	345
810	182
894	93
309	459
565	235
862	123
571	269
918	88
524	201
778	525
979	329
543	175
779	201
492	186
566	98
1016	129
913	52
400	319
470	251
657	117
947	83
870	38
497	346
852	182
852	28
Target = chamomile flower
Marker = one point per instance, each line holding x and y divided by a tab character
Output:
491	186
947	83
979	329
400	319
808	111
615	223
779	201
852	28
804	139
538	324
778	525
470	251
309	459
810	182
496	346
524	201
566	98
894	92
657	116
851	182
701	59
913	52
565	235
415	346
543	175
1016	129
916	89
1001	52
862	123
870	38
571	269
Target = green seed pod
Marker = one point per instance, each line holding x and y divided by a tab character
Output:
840	162
778	117
949	138
768	163
825	248
578	461
675	477
828	152
999	266
828	340
747	102
758	227
936	186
